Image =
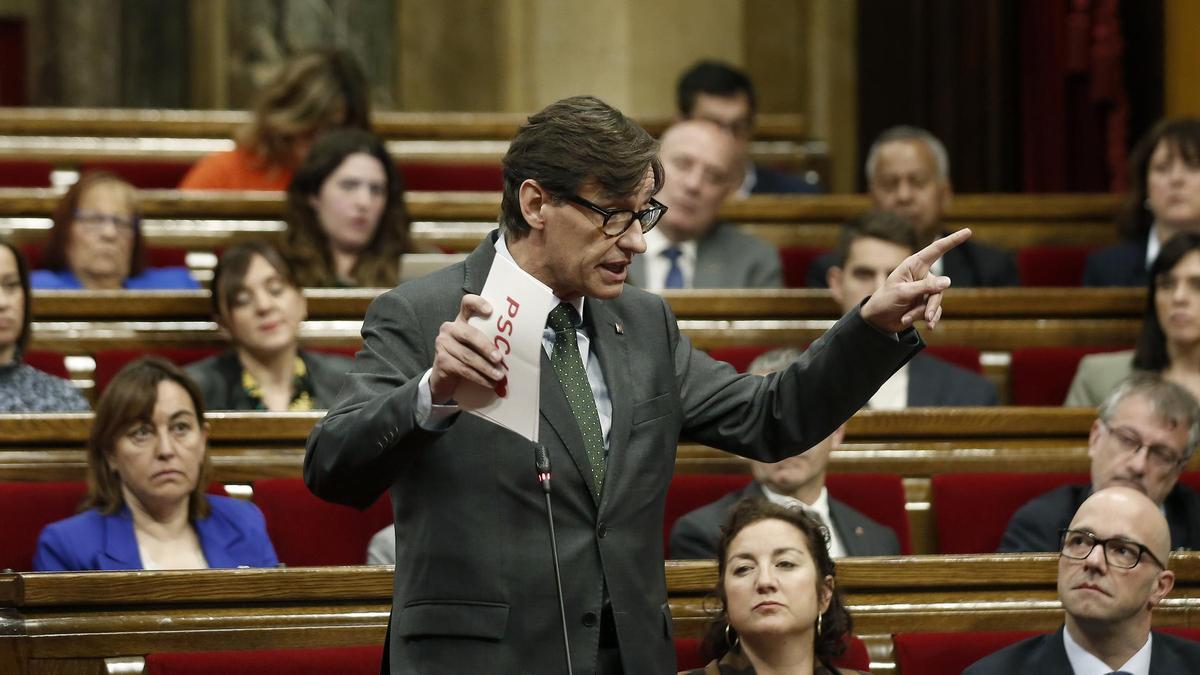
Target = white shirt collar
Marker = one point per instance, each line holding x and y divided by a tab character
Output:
502	249
749	181
1084	662
820	507
1153	246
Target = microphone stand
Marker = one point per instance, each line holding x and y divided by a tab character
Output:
541	460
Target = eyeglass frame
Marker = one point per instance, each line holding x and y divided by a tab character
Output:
608	214
1150	452
1103	543
95	220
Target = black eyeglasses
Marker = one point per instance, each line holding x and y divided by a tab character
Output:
1123	553
616	221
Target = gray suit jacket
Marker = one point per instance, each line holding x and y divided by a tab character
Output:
695	534
934	382
728	258
474	589
1047	655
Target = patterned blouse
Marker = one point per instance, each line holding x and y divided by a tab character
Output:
302	396
24	388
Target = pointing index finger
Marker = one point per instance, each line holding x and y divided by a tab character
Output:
931	253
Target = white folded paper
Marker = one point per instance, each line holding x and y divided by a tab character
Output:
520	304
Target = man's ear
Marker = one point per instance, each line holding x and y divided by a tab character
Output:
1162	586
947	195
1094	438
533	198
833	278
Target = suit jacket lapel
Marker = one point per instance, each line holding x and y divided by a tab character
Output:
556	411
120	542
607	339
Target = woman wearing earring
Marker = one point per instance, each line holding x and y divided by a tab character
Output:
780	609
1164	201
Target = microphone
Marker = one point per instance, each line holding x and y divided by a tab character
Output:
541	462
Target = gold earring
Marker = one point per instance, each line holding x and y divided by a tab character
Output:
819	625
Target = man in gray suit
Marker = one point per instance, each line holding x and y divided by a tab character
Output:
1112	573
798	482
870	246
475	583
690	248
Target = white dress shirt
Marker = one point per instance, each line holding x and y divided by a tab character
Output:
657	265
819	508
1084	663
893	394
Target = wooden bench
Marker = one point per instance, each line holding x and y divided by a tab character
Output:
459	220
71	622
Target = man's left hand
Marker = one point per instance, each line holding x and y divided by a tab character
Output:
911	291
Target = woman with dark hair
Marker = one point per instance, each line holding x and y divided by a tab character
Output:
1164	201
1170	339
346	224
146	506
314	91
96	242
23	388
780	608
258	303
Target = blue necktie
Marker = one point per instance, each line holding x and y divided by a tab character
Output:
675	273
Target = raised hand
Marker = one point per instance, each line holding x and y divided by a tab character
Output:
463	352
911	291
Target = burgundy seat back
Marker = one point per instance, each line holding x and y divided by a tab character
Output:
856	657
110	361
27	508
962	356
1052	265
1042	375
1190	479
328	661
435	177
307	530
795	261
689	492
880	497
972	510
740	356
948	653
25	173
47	362
144	174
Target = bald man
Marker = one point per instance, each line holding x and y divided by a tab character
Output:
690	248
1112	572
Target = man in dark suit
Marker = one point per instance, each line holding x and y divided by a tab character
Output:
908	172
797	481
1146	413
871	246
718	92
1112	572
619	385
690	248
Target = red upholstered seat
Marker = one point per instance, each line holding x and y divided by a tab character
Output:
27	508
146	174
971	510
25	173
156	256
328	661
47	362
483	177
856	657
1052	265
1042	375
948	653
795	261
110	361
962	356
1191	479
1192	634
689	492
740	356
295	517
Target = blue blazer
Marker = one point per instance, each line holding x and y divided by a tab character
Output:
151	279
234	534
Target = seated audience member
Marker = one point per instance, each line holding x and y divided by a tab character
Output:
718	92
908	172
1164	201
1112	573
780	610
146	506
313	91
257	302
24	388
869	247
1170	340
690	248
797	482
1146	413
346	224
96	242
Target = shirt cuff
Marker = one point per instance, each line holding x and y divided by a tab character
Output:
428	416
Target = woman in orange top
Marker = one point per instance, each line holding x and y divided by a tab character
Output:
315	91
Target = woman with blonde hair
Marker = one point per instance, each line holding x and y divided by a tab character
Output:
314	91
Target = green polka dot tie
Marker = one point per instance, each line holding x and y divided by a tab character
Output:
569	367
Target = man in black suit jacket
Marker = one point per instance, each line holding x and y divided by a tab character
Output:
797	481
1111	574
475	585
908	172
872	245
1145	413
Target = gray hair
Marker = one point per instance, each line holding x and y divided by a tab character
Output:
904	132
776	359
1168	400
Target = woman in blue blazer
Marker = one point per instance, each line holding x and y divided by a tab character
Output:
146	506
